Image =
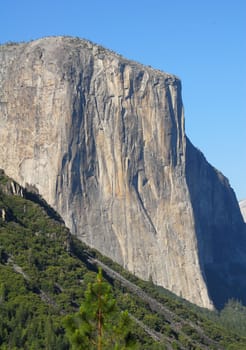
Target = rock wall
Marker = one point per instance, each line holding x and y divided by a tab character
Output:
102	139
219	228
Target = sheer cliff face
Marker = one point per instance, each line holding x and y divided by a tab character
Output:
219	227
102	139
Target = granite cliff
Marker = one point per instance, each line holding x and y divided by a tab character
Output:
102	139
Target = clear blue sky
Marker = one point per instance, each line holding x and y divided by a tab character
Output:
202	42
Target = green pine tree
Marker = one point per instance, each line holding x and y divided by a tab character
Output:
99	324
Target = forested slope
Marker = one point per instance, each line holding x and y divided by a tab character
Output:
44	273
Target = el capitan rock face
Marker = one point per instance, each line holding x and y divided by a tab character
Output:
102	139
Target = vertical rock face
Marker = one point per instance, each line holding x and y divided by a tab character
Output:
219	228
102	139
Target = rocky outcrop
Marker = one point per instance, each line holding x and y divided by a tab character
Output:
102	139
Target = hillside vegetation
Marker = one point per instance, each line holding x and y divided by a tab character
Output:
45	272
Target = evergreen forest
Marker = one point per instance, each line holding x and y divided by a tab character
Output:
57	293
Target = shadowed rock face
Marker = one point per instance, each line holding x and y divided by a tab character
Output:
102	139
219	228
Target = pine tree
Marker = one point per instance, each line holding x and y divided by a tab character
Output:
99	324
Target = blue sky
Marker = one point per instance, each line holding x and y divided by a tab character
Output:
202	42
